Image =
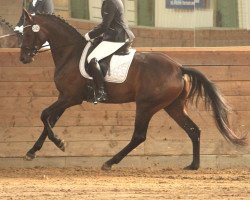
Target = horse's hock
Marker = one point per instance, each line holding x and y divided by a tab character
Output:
95	133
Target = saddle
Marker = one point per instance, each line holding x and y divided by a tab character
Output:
114	67
105	63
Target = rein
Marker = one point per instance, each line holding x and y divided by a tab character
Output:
35	51
7	35
66	45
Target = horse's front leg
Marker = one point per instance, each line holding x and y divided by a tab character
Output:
49	117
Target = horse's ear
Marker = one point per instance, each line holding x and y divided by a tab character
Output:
27	16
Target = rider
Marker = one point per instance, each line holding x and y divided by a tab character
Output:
115	34
36	6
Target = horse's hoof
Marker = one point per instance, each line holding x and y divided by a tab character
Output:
191	167
106	167
29	156
62	145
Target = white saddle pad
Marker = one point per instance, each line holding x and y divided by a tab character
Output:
119	66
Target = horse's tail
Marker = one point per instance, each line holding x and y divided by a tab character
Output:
202	87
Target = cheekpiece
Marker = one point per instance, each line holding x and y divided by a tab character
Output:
36	28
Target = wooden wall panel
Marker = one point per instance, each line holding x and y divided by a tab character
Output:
45	74
167	130
77	117
48	89
210	56
109	148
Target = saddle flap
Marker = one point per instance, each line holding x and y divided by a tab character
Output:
119	66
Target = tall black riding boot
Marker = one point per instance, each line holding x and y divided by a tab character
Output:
98	79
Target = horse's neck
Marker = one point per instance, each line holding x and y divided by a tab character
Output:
66	44
64	48
62	39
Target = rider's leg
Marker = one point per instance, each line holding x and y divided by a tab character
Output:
98	79
103	50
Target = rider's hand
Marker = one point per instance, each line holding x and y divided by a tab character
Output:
18	29
86	36
21	29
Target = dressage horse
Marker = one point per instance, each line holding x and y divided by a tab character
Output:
154	82
8	38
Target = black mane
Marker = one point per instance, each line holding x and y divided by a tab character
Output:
62	21
4	22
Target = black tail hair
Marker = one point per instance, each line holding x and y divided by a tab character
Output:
202	87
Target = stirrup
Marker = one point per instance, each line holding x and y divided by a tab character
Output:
101	96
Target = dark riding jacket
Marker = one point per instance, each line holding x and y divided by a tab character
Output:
42	6
113	27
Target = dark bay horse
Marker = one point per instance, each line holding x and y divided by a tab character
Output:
8	38
154	82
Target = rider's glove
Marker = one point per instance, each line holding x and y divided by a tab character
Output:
18	29
86	36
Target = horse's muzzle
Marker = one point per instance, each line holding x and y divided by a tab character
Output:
26	59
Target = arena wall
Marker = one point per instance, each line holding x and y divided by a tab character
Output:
169	37
96	132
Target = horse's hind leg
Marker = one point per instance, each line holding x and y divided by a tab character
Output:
141	125
177	111
49	118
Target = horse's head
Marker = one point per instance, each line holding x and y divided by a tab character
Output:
44	27
34	36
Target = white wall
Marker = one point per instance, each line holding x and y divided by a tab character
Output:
95	10
242	11
131	11
175	18
247	14
244	14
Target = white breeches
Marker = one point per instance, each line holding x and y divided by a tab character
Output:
104	49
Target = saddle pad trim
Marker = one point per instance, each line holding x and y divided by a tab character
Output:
83	60
119	66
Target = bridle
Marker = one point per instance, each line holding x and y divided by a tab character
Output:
35	50
7	35
32	51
